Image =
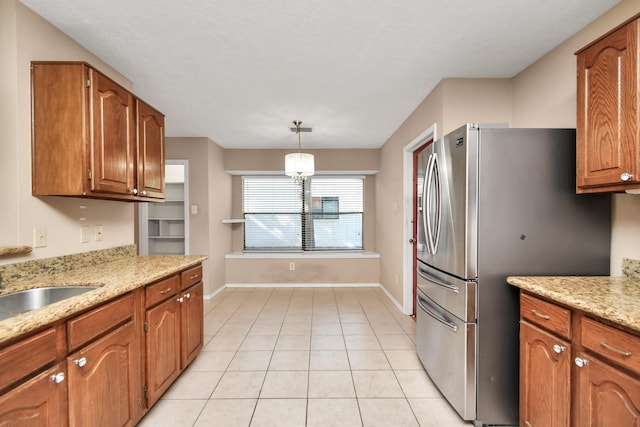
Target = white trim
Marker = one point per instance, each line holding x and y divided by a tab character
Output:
309	254
407	189
281	172
214	293
393	300
303	285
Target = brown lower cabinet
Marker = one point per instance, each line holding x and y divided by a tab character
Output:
575	371
107	366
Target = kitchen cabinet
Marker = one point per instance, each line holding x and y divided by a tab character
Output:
174	329
41	401
91	137
575	371
104	373
608	138
545	364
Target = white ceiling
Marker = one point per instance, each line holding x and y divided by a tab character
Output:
240	71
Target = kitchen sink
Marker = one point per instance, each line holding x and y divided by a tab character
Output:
32	299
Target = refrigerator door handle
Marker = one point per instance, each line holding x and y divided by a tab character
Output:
432	176
421	303
452	288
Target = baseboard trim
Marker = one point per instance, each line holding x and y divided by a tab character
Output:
302	285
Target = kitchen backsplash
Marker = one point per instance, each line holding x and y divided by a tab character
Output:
631	268
47	266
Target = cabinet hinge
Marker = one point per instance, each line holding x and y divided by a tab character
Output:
146	326
88	82
89	174
146	393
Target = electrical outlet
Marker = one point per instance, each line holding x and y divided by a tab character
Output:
98	233
39	237
84	234
292	266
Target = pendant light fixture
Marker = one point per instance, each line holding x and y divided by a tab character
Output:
298	165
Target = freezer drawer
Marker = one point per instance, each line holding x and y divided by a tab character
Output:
454	295
446	348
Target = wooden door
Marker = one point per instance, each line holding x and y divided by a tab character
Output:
150	173
607	119
39	402
103	379
192	323
112	144
608	397
163	348
545	368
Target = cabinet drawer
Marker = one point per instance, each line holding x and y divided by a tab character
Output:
27	356
88	326
162	290
614	344
550	316
191	276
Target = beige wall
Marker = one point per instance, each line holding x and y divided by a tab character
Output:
27	37
545	96
210	191
249	269
452	103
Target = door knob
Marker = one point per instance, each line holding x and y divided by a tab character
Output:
412	241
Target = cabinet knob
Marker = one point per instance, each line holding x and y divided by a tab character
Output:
144	193
626	176
134	191
81	362
580	362
180	299
58	378
558	348
187	295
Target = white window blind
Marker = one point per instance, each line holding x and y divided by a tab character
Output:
324	213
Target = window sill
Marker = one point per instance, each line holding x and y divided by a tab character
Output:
317	255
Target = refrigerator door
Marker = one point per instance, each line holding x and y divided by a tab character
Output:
446	348
450	204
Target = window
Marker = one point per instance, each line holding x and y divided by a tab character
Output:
324	213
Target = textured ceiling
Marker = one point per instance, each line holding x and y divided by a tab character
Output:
240	71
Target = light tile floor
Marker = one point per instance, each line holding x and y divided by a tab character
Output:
304	357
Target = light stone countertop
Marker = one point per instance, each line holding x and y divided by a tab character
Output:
613	299
114	278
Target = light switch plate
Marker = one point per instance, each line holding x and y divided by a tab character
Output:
98	233
39	237
84	234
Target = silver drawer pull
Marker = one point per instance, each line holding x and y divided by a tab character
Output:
165	291
540	315
58	378
195	276
622	353
558	348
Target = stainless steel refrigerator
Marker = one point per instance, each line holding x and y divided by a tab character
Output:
495	202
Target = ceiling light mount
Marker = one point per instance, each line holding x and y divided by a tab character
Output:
299	165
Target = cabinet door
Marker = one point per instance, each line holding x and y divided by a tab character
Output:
38	402
112	144
545	369
607	120
607	396
150	151
192	324
103	380
163	348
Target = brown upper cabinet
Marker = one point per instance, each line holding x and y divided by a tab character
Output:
608	142
93	138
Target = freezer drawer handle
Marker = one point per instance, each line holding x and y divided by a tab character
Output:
437	317
452	288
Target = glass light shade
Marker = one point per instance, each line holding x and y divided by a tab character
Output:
299	165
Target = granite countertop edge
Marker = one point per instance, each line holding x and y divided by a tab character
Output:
115	278
615	300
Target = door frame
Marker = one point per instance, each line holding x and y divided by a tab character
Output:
408	189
